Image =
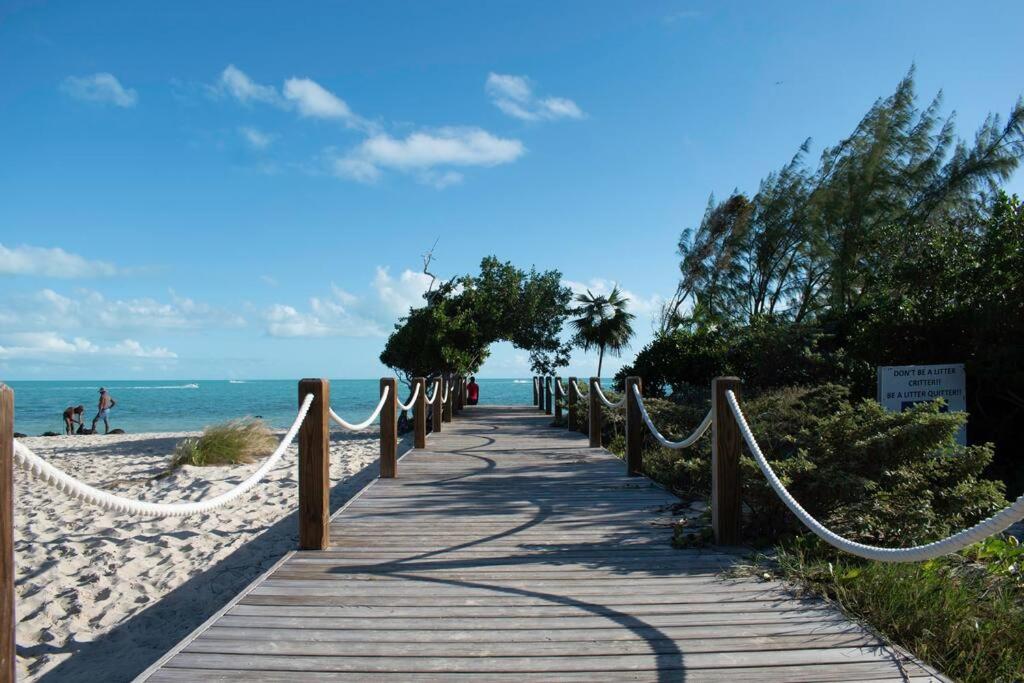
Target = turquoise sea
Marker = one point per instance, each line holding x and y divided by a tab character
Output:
185	405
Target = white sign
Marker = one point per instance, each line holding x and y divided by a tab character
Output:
901	386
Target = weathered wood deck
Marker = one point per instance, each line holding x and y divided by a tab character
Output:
510	551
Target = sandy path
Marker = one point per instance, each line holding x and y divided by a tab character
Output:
101	595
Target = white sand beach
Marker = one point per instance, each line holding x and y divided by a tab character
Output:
102	595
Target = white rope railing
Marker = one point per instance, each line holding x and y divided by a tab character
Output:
368	421
993	525
437	387
701	429
62	481
604	399
412	399
444	394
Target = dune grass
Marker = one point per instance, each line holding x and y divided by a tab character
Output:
961	613
227	443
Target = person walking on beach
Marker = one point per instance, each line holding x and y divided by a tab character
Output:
105	404
73	416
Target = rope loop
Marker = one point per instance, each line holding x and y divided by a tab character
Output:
983	529
368	421
432	396
64	482
412	399
604	399
701	429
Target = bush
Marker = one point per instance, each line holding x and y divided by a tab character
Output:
228	443
871	475
800	354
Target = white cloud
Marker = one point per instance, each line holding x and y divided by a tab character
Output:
398	296
269	280
237	83
327	317
642	306
89	309
99	87
343	314
423	151
303	95
354	168
514	96
314	101
41	345
560	107
256	138
50	262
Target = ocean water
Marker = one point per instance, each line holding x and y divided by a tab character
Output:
186	405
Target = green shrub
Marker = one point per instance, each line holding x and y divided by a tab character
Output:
228	443
869	474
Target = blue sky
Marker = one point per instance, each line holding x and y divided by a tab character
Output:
245	191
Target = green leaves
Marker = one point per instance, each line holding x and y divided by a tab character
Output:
603	323
463	317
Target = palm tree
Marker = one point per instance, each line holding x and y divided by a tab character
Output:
603	323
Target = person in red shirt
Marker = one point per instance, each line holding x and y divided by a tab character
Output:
472	392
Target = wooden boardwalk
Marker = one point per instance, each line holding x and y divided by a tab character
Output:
510	551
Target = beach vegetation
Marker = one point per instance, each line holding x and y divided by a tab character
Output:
460	319
603	323
962	613
228	443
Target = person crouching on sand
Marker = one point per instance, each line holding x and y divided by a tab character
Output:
106	402
72	416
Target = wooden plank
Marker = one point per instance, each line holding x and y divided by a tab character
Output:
820	615
298	645
857	671
810	631
676	660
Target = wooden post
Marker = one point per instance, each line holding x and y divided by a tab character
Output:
540	393
547	395
571	404
446	407
462	393
419	413
389	429
536	393
7	622
725	463
595	414
558	400
634	430
315	467
437	409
